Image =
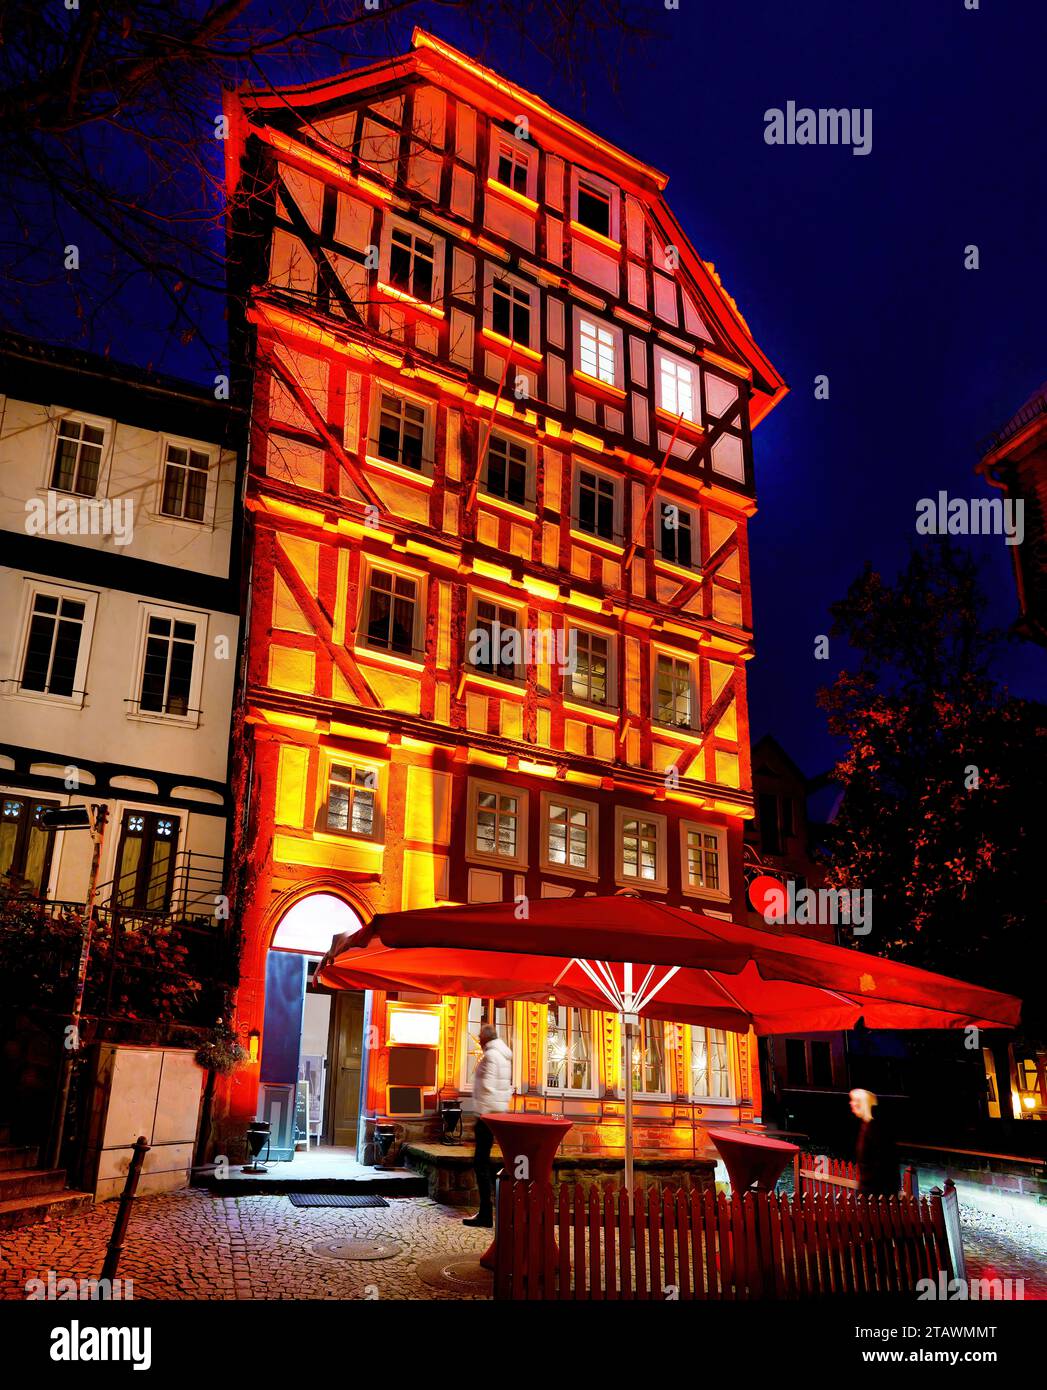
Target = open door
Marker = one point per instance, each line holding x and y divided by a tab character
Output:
347	1043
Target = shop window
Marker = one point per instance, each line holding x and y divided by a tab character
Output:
569	1050
710	1066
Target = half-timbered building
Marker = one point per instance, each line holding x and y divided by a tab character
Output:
500	481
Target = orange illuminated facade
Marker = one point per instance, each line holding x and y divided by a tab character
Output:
499	615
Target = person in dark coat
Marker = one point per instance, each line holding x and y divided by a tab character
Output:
874	1149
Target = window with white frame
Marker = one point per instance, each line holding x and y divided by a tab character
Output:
678	387
391	612
570	1049
413	263
641	851
678	534
183	492
569	835
51	659
508	470
710	1064
598	350
498	822
352	795
597	504
595	205
401	432
704	858
494	640
511	310
498	1013
674	691
590	678
514	164
78	457
169	664
648	1059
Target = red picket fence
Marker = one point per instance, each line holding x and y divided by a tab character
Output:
673	1244
818	1175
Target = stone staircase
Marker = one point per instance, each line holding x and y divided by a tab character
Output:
29	1194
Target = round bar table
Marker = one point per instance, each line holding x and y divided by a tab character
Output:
532	1138
752	1158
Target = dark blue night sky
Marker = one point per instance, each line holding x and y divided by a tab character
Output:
845	266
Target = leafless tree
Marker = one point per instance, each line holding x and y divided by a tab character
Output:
112	185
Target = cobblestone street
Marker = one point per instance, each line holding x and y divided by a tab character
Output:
191	1245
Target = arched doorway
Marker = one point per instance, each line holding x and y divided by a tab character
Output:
312	1040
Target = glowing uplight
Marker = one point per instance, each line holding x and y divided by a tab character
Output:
313	923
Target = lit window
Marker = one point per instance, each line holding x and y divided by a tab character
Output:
568	830
351	793
481	1011
391	606
508	470
78	457
167	673
648	1059
703	859
590	678
25	844
401	432
596	351
569	1049
497	823
495	640
511	311
676	535
673	692
639	848
677	387
594	208
710	1072
597	504
53	646
185	483
412	264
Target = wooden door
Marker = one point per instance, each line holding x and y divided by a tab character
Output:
347	1042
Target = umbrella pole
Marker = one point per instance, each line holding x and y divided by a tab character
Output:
630	1033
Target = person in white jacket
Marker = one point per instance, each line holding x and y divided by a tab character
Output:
492	1092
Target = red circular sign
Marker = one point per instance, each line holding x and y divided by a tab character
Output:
760	891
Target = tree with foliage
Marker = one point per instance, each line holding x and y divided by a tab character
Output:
943	777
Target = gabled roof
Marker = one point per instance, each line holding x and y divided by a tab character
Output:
445	66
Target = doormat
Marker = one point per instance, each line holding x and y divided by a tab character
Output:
334	1199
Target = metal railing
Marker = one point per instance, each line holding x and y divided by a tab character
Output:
186	892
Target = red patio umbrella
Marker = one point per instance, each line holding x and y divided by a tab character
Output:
644	957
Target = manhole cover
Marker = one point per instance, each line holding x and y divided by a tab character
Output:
354	1249
462	1272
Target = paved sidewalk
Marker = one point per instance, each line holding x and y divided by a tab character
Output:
191	1245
